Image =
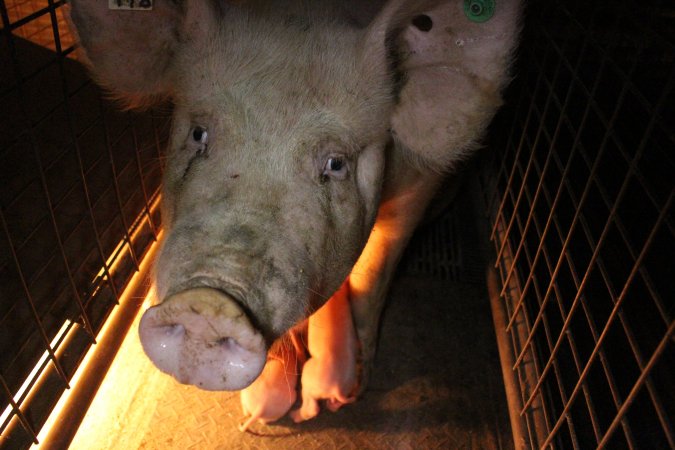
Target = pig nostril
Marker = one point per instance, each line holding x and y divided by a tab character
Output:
228	343
173	329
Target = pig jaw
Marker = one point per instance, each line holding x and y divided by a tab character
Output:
201	336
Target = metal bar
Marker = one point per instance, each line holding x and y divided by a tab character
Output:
569	336
605	230
85	318
101	357
644	376
564	176
570	261
142	183
29	298
582	201
627	330
120	206
527	374
542	116
508	145
510	180
31	304
610	320
16	410
506	358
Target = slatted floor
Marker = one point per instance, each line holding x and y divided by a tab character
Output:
436	384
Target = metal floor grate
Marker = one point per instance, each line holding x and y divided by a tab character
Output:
449	246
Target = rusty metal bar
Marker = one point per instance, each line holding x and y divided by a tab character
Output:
569	336
575	145
520	146
610	320
506	359
577	213
644	376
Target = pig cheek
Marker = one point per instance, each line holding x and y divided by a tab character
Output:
168	264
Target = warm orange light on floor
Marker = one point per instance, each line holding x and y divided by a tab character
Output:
139	279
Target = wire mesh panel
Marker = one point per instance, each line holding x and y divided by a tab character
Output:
581	201
78	190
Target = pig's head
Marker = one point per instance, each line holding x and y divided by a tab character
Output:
274	169
273	172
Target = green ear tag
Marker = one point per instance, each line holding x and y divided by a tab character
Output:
479	10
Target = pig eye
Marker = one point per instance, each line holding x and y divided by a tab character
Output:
335	167
200	135
200	138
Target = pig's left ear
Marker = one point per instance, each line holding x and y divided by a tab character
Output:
448	61
131	51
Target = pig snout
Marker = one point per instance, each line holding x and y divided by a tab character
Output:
202	337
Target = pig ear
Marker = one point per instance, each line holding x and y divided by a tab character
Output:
130	52
449	61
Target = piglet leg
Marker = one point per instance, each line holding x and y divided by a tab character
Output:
330	372
273	393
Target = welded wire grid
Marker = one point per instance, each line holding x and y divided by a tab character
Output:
581	200
79	183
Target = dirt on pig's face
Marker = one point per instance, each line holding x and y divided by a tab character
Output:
274	172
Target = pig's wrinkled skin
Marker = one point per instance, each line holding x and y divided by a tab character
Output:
307	140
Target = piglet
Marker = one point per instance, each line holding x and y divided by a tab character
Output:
274	392
330	372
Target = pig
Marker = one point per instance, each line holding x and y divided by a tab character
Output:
330	373
274	392
307	141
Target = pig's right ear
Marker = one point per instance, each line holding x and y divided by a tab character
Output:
131	52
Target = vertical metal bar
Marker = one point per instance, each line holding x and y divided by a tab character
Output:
85	189
527	374
31	304
120	206
506	359
19	81
146	202
71	280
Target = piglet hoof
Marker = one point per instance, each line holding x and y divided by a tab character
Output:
324	380
333	404
309	410
273	393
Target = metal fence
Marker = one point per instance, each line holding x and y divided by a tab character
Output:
580	196
78	189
